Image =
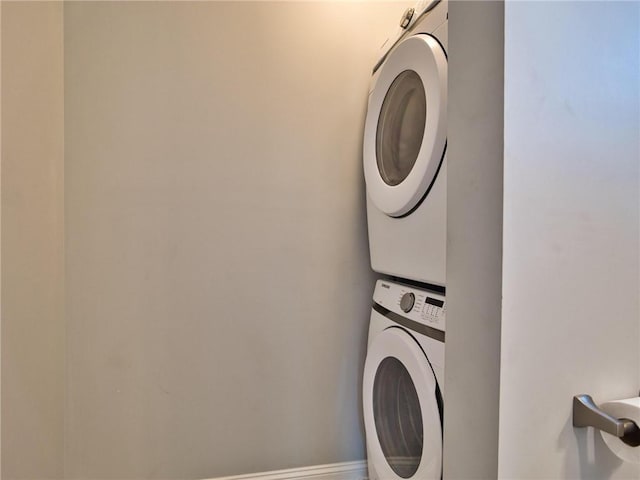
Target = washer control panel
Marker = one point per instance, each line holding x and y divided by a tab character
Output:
419	305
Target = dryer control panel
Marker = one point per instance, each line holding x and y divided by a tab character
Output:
419	305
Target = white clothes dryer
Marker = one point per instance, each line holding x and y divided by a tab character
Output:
404	149
402	383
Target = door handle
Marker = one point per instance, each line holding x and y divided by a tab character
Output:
587	414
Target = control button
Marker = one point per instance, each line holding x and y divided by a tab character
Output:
407	301
406	18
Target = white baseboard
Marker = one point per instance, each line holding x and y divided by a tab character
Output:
333	471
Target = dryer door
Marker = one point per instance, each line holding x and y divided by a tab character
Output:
402	414
405	128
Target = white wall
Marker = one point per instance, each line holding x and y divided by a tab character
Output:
33	335
474	231
218	287
570	320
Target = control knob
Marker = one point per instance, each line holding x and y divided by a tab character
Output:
407	301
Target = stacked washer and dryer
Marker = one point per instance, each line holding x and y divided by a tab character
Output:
405	139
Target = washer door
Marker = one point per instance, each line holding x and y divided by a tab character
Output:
405	128
401	411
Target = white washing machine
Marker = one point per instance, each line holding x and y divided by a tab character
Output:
402	383
404	149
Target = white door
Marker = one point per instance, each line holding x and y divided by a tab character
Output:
570	286
405	128
402	415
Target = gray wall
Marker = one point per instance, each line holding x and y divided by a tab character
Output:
32	240
571	319
474	239
217	282
555	314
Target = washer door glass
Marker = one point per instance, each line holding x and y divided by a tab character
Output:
397	417
401	127
401	407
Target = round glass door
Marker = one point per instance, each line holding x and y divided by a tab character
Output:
396	411
405	132
401	409
401	127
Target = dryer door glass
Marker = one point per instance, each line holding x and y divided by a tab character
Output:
405	131
397	417
401	127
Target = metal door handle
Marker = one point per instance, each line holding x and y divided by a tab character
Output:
587	414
